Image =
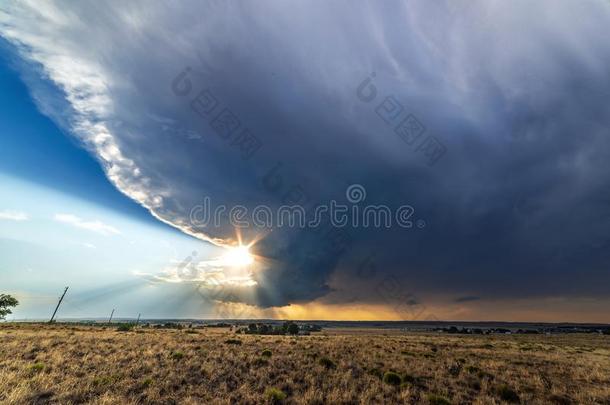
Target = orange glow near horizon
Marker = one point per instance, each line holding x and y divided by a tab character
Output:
513	311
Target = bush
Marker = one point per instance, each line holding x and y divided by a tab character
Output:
266	353
125	327
233	341
293	329
392	378
106	380
147	382
275	395
438	400
327	363
177	355
37	367
507	394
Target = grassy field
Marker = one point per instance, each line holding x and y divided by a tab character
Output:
76	364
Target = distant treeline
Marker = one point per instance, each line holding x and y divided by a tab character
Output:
287	328
554	329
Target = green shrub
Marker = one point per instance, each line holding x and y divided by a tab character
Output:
293	329
275	395
177	355
147	382
327	363
507	394
102	381
125	327
266	353
37	367
435	399
392	378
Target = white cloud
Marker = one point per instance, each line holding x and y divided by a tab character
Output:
95	226
14	215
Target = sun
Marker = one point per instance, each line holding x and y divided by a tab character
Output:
237	257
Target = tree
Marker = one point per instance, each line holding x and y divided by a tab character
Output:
6	302
293	329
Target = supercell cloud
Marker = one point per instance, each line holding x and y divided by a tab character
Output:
256	103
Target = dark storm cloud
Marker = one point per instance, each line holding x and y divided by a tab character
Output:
516	92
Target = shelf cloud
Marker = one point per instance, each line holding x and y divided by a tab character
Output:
491	119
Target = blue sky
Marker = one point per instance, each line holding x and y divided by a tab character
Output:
63	223
117	120
60	162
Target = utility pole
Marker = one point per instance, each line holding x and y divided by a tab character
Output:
112	313
58	304
138	321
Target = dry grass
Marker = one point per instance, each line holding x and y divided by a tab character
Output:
76	364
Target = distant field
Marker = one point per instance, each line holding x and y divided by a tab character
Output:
76	364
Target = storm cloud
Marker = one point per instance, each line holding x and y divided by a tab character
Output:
272	103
